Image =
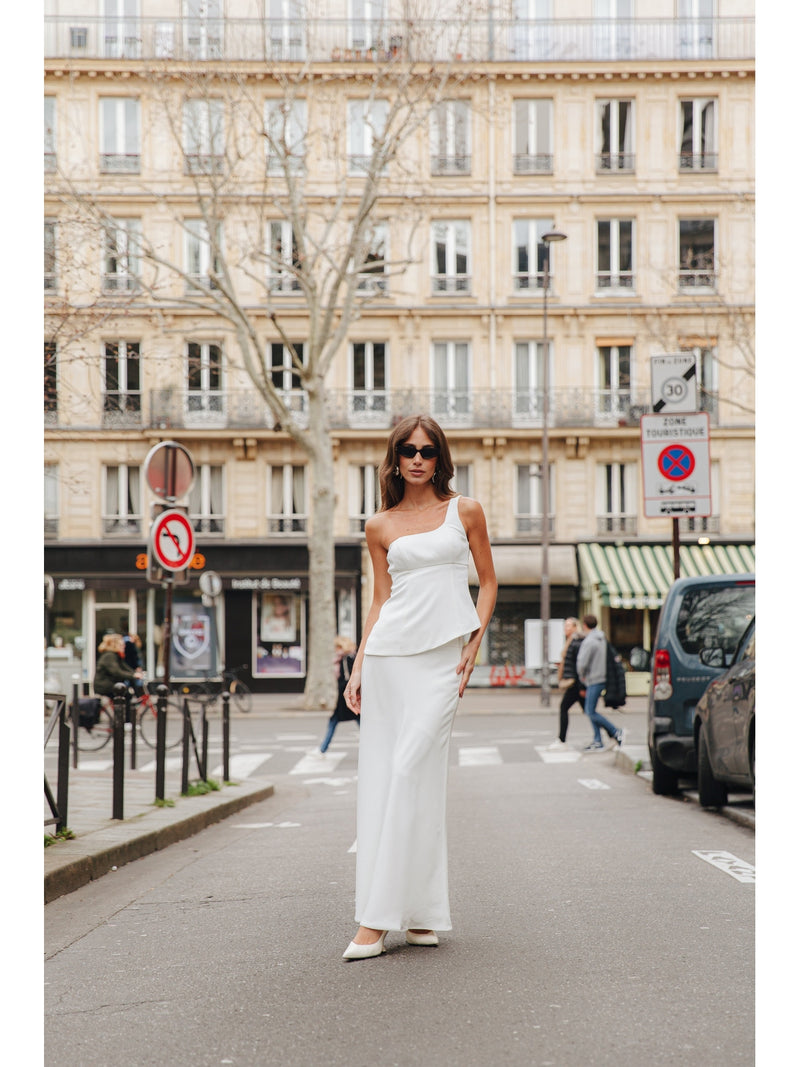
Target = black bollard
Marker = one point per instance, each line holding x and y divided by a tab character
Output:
187	725
161	741
226	737
76	717
204	729
62	789
119	751
130	716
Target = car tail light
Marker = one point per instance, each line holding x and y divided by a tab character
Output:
662	676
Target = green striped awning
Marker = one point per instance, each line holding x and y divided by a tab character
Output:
638	576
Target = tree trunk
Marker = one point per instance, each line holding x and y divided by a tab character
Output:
321	689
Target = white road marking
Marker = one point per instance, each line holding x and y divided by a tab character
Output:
353	846
318	762
327	781
264	825
727	862
593	783
171	763
479	757
97	765
557	755
243	764
296	737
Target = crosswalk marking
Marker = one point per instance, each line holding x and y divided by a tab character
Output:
475	757
593	783
558	755
727	862
318	762
243	764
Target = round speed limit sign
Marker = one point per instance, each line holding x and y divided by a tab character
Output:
674	390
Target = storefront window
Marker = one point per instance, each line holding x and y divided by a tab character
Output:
278	629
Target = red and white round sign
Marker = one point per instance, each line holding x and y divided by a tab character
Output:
172	540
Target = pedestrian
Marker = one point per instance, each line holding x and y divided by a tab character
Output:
592	656
342	665
111	666
568	682
420	642
133	650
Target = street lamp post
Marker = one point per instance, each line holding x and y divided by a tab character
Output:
547	239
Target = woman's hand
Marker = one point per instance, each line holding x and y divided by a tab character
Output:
469	654
352	692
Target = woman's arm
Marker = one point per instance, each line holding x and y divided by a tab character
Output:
474	521
381	588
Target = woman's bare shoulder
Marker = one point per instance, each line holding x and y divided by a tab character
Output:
470	509
376	525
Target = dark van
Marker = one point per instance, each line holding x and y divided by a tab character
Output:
712	611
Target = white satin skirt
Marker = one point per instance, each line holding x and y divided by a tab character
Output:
408	704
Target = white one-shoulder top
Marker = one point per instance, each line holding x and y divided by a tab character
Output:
429	604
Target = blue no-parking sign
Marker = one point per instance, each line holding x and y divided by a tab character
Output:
676	465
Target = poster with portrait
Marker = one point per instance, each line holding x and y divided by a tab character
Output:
278	625
194	652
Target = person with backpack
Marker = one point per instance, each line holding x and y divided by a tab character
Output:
592	671
568	682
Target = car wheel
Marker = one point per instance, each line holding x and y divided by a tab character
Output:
713	793
665	780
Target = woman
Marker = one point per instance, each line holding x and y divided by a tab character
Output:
421	638
111	666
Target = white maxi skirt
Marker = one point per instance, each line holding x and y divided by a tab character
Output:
408	704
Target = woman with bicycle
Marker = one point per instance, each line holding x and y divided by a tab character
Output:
111	666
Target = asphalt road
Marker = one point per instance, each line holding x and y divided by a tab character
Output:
594	924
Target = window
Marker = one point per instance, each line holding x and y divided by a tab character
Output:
533	137
529	357
286	376
462	479
284	258
697	262
450	138
203	28
204	396
366	123
707	367
615	135
49	134
50	381
452	396
122	394
706	523
616	498
51	500
698	149
530	251
50	277
286	125
120	151
207	500
122	501
367	30
528	514
203	136
369	394
201	264
286	22
365	496
696	29
372	275
451	257
614	381
123	244
286	493
121	29
614	254
532	35
612	28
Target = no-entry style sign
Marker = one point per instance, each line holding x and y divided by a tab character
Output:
676	465
172	540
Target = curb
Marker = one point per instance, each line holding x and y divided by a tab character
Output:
69	865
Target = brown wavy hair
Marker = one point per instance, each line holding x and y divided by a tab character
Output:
392	485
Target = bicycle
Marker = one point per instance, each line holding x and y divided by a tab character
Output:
213	688
94	735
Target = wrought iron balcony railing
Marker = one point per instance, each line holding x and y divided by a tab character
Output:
490	39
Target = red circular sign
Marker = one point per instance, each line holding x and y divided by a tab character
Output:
172	539
169	470
676	462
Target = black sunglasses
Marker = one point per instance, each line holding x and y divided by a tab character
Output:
409	451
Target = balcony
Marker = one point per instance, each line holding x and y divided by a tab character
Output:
380	409
386	40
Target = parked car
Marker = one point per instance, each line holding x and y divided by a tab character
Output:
725	724
706	612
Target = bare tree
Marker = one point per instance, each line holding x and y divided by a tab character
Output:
291	180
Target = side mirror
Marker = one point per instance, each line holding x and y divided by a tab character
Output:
640	659
712	657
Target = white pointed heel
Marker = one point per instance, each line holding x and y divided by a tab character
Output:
365	952
428	938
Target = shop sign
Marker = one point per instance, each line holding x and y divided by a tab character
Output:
266	583
67	585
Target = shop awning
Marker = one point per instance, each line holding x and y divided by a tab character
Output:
522	565
638	576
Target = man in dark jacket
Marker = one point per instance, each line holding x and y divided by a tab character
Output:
592	663
568	681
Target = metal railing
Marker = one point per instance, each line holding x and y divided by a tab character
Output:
489	39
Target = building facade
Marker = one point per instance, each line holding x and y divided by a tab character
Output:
628	125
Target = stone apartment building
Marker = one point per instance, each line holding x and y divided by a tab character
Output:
626	125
